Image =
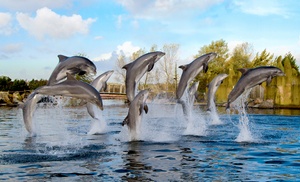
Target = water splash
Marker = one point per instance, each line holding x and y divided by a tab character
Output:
214	118
98	125
195	122
245	134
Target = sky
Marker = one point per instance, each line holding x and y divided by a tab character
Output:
34	32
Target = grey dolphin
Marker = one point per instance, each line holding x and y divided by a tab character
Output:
72	65
28	109
135	111
73	88
99	83
212	88
190	71
136	69
252	77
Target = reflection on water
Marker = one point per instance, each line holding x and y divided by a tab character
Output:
63	149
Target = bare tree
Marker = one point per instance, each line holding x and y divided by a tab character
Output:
121	61
167	65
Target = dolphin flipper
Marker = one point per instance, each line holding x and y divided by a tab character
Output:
269	80
74	71
126	121
151	64
105	86
205	67
146	108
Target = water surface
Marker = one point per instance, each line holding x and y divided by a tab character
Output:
171	148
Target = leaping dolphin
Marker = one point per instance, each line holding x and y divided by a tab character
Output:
72	65
190	71
28	109
136	69
99	83
212	88
252	77
73	88
136	107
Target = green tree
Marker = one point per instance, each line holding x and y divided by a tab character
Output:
215	67
292	61
34	84
5	83
241	56
88	78
262	59
19	85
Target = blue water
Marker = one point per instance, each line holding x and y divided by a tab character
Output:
170	149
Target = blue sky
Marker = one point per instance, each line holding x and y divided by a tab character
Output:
34	32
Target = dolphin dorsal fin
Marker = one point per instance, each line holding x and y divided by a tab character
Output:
126	66
70	77
183	67
62	57
243	70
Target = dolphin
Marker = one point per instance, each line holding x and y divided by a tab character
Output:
212	88
190	71
28	109
73	88
72	65
99	83
252	77
136	69
136	107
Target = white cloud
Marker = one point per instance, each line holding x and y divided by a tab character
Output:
11	48
150	9
32	5
98	37
126	49
5	23
119	21
48	23
102	57
261	8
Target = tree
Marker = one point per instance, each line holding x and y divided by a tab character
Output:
88	78
121	61
262	59
34	84
5	83
292	60
241	56
19	85
215	67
